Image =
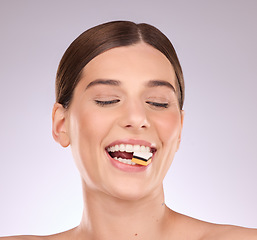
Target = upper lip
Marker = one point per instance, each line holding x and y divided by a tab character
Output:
152	146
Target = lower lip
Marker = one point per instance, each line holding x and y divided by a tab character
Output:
126	167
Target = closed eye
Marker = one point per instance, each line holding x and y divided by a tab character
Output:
105	103
157	104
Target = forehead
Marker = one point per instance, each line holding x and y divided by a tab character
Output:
139	62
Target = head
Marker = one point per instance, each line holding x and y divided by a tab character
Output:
120	83
102	38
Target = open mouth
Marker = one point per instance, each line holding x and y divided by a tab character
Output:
129	154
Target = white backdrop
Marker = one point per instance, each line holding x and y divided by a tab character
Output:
213	176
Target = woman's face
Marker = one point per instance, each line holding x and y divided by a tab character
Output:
127	96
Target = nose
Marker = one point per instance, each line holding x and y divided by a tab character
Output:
134	117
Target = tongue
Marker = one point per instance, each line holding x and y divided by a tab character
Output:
124	155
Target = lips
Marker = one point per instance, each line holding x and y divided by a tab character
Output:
123	151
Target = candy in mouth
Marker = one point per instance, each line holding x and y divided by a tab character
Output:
142	158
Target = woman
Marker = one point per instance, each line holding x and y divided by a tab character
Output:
119	96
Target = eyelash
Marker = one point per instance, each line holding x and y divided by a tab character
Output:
155	104
104	103
160	105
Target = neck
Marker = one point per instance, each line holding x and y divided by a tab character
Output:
106	217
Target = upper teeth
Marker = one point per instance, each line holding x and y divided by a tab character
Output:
128	148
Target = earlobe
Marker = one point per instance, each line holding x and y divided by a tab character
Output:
182	113
59	129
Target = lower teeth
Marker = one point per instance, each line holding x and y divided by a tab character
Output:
126	161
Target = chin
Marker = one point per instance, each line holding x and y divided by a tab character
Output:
129	196
130	192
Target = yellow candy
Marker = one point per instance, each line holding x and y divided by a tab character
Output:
142	158
140	161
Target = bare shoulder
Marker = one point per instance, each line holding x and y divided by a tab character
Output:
21	238
186	227
223	232
28	237
59	236
191	228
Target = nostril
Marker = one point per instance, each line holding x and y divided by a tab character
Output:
130	126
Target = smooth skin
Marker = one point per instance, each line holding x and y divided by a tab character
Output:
121	97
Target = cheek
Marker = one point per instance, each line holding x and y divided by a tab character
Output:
89	125
169	127
88	129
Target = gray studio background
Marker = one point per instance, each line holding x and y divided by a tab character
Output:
213	176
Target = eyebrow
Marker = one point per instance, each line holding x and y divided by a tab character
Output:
109	82
158	83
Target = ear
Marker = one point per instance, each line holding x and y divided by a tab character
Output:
182	114
59	125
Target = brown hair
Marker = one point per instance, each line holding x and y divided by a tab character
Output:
103	37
